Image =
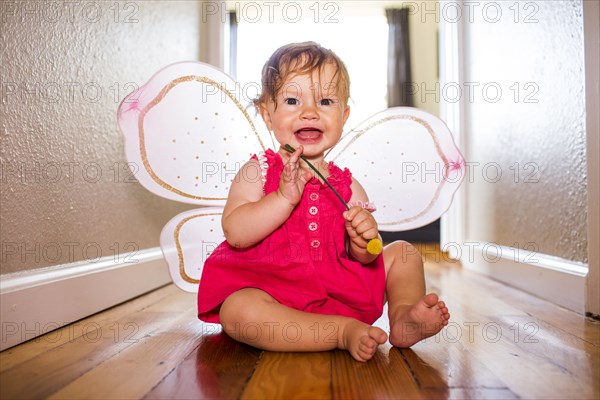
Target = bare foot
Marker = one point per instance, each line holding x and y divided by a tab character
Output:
419	321
361	340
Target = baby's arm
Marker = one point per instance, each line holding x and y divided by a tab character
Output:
361	225
249	216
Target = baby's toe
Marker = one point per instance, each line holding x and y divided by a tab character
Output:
431	299
377	335
367	343
367	354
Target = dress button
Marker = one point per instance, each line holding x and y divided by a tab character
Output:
315	243
313	210
312	226
314	196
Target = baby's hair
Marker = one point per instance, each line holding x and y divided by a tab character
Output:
300	58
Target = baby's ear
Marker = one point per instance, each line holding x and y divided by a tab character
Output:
266	115
346	113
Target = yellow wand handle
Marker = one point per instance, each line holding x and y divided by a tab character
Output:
374	246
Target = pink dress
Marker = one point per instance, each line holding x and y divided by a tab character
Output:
303	264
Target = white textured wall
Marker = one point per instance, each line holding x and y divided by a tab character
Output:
533	132
66	194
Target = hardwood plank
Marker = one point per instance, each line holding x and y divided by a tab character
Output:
104	320
528	375
469	393
572	323
43	375
577	359
448	370
487	322
144	364
218	368
291	376
585	328
440	366
383	376
426	375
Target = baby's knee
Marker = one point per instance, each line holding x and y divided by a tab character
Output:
240	308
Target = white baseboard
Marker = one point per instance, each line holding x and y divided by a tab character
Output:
34	302
557	280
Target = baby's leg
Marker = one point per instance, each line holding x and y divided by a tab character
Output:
413	315
254	317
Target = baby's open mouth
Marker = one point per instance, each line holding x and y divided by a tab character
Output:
309	133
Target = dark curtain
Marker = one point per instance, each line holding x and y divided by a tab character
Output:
399	74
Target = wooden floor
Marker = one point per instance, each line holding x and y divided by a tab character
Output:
501	343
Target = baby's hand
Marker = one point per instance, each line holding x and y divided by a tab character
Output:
293	179
361	226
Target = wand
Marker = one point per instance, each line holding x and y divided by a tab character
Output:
374	246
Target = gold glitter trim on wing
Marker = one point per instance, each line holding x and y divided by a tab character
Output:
158	99
182	271
437	148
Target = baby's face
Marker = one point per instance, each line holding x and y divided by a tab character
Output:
309	112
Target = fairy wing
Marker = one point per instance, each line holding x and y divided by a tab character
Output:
188	131
187	240
408	163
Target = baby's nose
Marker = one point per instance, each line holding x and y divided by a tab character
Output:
309	111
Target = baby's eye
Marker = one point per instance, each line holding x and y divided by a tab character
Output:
291	101
327	102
